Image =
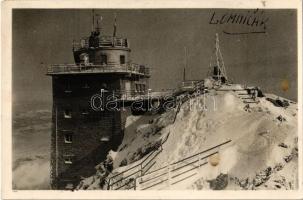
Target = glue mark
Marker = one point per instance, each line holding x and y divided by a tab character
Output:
285	85
214	159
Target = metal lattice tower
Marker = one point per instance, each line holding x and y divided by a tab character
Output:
217	65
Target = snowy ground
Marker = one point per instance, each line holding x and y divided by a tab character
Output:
262	154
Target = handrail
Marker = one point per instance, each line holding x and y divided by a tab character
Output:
166	167
202	152
140	164
141	167
139	171
177	170
125	170
123	186
162	181
154	177
105	68
124	178
161	168
184	178
101	41
137	165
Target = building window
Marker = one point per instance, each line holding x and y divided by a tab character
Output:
67	114
82	43
84	111
122	59
85	85
69	186
143	88
140	87
84	58
68	138
68	88
104	86
68	160
137	88
104	139
104	59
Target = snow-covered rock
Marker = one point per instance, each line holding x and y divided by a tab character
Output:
262	154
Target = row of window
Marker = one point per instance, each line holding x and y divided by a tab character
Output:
68	159
68	139
140	87
68	89
84	58
68	113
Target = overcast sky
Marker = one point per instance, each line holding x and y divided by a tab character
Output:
157	39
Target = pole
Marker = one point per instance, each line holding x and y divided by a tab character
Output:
56	142
115	31
169	175
108	184
137	184
93	22
115	26
99	20
199	161
217	56
185	63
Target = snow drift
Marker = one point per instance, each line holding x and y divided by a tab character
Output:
262	154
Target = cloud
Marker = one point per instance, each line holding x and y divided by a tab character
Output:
31	174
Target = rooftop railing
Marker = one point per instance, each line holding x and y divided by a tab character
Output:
191	83
102	41
91	68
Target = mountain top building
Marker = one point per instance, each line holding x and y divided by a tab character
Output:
82	135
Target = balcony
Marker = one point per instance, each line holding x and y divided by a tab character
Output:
102	41
133	95
130	69
191	83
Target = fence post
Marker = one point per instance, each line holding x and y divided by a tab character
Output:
108	186
168	173
141	171
137	184
199	161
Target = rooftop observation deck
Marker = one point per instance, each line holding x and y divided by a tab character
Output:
131	69
101	41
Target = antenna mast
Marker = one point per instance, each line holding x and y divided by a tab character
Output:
93	22
219	71
99	20
185	64
115	26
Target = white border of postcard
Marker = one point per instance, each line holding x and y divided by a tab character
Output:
6	112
